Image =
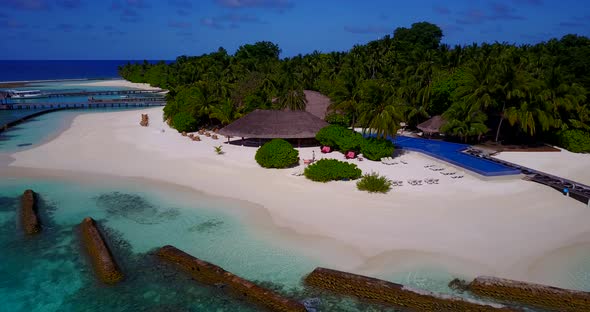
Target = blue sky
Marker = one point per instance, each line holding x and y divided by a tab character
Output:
164	29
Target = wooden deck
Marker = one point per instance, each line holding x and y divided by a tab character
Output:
576	190
136	102
51	107
105	92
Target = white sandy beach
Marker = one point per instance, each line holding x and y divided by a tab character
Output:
115	83
470	226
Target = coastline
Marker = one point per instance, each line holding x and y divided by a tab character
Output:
470	227
115	83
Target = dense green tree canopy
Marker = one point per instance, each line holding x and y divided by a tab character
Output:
495	91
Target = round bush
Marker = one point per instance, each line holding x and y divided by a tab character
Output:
277	153
184	122
374	183
326	170
375	149
330	135
575	141
352	141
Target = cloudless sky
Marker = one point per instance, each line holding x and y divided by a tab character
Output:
165	29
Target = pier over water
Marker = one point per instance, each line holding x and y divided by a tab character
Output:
37	109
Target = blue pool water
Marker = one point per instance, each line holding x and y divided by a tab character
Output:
452	153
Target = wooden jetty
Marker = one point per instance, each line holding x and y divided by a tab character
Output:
96	93
575	190
51	107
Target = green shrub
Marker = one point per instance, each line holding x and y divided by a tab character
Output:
352	141
337	119
375	149
330	135
374	183
277	153
575	140
326	170
184	122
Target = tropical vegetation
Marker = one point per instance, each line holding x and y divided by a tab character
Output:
375	149
277	153
491	91
325	170
374	183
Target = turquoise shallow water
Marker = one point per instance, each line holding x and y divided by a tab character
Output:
49	273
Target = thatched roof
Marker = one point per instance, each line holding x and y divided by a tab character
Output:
317	103
270	124
432	125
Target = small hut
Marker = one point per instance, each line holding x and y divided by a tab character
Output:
432	125
271	124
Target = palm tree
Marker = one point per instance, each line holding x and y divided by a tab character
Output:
563	98
382	111
512	82
225	113
293	99
531	112
346	99
464	120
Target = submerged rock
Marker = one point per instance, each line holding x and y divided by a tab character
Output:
30	220
100	255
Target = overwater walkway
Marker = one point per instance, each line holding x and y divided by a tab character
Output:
37	109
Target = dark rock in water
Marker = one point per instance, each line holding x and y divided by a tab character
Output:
542	296
211	274
312	304
459	285
24	144
102	260
30	220
372	289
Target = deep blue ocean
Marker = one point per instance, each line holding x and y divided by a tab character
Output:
25	70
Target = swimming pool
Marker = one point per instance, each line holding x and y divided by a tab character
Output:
452	153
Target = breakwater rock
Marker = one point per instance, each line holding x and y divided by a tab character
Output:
384	292
102	260
30	220
210	274
541	296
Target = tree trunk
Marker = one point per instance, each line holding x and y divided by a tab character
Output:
500	123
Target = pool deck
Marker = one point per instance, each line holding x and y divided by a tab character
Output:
453	153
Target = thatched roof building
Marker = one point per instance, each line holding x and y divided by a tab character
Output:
271	124
432	125
317	103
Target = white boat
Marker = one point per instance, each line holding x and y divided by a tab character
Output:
24	94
